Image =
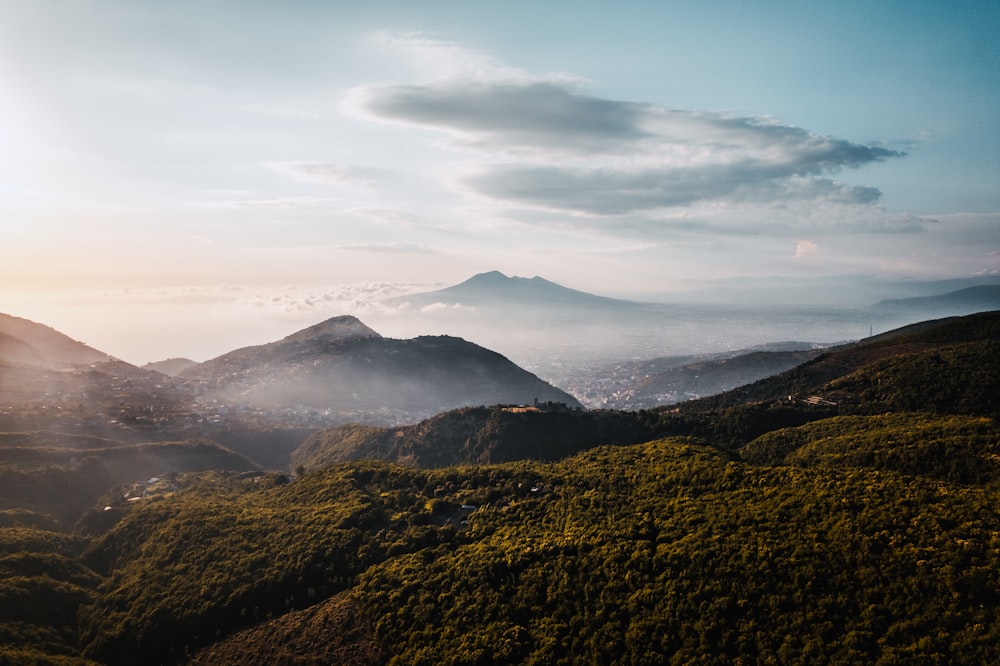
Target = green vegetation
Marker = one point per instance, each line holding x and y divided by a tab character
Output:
42	585
668	552
951	366
950	379
474	435
959	449
862	526
634	554
64	483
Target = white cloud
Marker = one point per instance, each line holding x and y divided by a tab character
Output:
804	248
328	172
406	248
303	204
433	59
544	144
433	308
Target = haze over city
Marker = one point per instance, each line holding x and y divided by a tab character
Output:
180	179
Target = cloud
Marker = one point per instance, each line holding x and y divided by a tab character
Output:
328	172
406	248
433	59
805	188
825	210
804	248
607	191
287	203
433	308
361	299
387	216
504	114
549	145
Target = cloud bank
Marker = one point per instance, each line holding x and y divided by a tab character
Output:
545	144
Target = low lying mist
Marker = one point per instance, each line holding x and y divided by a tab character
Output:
557	344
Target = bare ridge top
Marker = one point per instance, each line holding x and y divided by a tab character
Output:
342	328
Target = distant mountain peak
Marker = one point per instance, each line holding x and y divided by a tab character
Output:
341	329
493	278
489	275
498	288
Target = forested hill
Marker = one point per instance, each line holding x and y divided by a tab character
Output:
849	518
475	435
647	554
949	366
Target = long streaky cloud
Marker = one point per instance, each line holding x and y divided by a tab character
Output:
538	115
553	147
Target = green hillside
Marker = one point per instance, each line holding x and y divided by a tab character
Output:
42	586
62	476
849	515
978	333
637	554
960	449
475	435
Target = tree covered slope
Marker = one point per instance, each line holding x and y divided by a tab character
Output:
668	550
857	527
475	435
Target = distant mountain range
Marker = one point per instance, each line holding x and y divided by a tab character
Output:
260	401
947	366
963	301
566	335
494	289
340	365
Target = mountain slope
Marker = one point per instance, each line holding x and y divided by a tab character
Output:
42	345
17	351
943	367
957	449
651	387
472	436
344	366
171	366
927	353
495	289
301	347
978	298
63	476
663	552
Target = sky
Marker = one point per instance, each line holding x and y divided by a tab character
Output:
181	178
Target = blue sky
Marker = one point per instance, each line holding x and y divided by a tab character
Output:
224	161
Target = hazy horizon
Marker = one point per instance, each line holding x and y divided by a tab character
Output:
186	178
552	338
